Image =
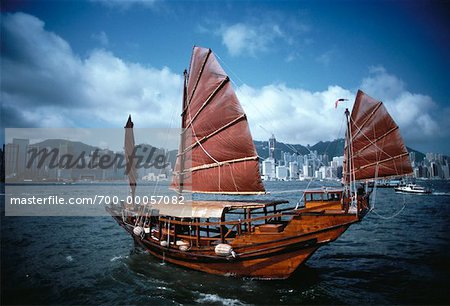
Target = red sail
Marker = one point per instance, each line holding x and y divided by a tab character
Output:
129	156
376	147
217	154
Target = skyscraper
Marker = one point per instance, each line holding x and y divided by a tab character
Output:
22	146
272	143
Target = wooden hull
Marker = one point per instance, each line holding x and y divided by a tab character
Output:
258	255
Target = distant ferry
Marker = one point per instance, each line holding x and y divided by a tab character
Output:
413	188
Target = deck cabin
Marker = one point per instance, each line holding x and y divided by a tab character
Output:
201	224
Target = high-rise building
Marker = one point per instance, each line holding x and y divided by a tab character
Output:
272	144
282	173
307	171
32	170
11	159
22	145
293	170
268	169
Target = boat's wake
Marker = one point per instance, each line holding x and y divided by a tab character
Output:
441	193
207	298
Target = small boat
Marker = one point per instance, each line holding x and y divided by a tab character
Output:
413	188
263	238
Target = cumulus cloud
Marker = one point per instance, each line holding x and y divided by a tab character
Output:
243	38
254	37
418	115
44	84
297	115
294	115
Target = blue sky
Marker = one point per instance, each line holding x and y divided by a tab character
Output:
90	63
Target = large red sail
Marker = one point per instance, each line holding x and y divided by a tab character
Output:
129	156
376	148
217	154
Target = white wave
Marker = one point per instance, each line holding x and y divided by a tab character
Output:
69	258
117	258
214	298
441	193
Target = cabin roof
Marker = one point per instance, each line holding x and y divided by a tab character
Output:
208	209
324	191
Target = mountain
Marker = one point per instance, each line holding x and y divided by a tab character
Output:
419	155
74	147
77	148
331	148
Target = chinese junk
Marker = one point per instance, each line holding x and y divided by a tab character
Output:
258	239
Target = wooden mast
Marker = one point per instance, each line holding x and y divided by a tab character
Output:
129	156
183	126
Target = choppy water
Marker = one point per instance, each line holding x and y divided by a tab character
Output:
91	260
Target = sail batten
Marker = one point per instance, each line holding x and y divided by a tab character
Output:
375	148
206	102
217	149
218	164
204	138
374	142
198	77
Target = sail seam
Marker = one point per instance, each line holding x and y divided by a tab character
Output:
198	79
365	136
218	164
203	139
377	107
375	141
213	94
382	162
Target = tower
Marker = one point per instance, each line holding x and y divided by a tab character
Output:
272	143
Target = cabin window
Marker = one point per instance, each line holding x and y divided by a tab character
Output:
334	196
317	197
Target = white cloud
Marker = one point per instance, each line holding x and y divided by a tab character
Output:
242	38
382	85
44	84
252	39
297	115
416	114
294	115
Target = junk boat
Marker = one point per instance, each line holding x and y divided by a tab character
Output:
262	239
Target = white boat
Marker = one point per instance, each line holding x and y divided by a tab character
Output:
412	188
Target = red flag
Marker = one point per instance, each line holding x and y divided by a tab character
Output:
337	101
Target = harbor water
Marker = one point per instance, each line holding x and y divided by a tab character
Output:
398	254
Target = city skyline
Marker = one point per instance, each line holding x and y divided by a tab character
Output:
25	160
89	64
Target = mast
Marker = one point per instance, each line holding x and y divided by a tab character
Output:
216	154
183	126
129	156
347	161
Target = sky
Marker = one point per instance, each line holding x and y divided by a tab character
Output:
88	64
